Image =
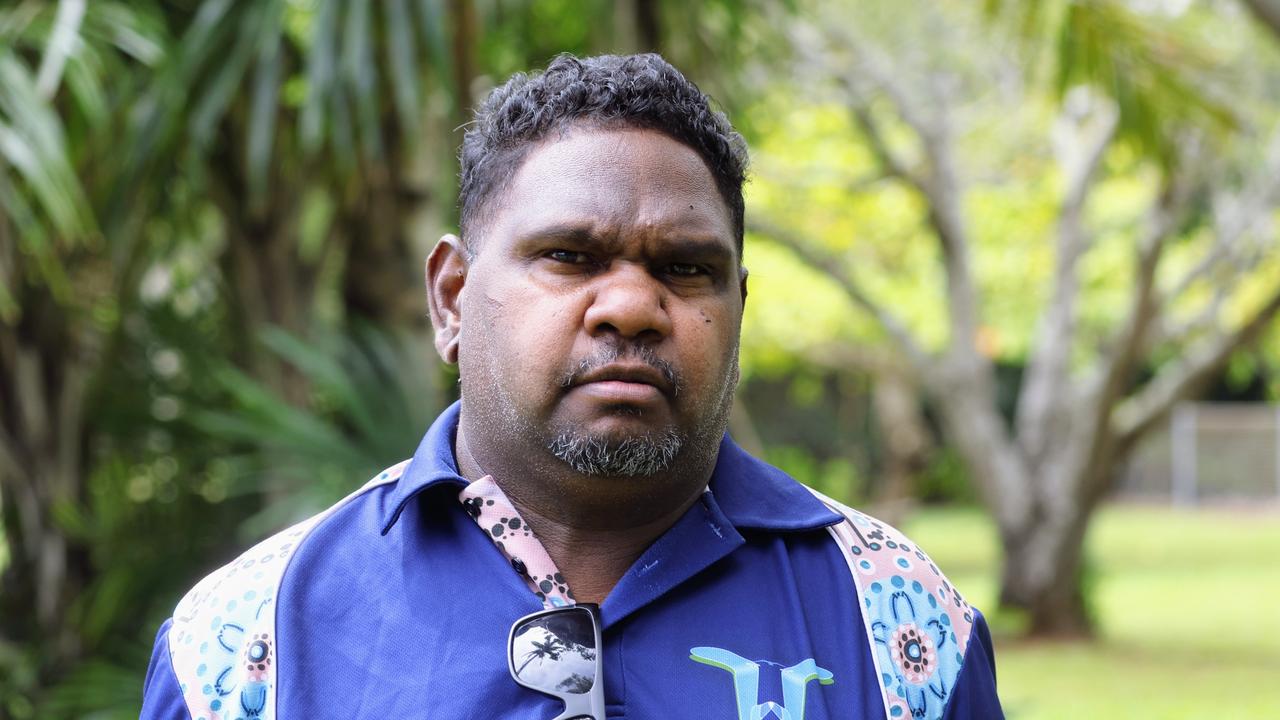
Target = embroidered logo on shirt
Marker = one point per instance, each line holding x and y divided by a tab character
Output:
746	683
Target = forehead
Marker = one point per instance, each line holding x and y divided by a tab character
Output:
615	181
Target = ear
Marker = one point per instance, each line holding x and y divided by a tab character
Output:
446	275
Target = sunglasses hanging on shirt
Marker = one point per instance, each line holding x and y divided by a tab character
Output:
557	652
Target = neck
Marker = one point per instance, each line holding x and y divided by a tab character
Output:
594	560
593	528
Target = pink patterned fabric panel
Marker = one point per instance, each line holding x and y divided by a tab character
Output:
917	622
494	513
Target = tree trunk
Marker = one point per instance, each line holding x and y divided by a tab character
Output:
649	21
1041	512
1043	572
382	277
465	31
43	370
271	284
903	436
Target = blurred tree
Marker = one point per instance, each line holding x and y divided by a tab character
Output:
305	124
64	275
1137	101
203	203
1267	12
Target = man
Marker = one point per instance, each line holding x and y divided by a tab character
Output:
593	304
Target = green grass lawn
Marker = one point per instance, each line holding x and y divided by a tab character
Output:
1188	603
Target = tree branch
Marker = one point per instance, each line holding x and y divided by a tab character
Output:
828	265
1267	12
1236	215
893	165
869	359
1181	378
1120	422
963	382
1080	145
10	468
1127	343
1115	373
940	186
1184	333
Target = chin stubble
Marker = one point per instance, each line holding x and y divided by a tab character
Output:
636	456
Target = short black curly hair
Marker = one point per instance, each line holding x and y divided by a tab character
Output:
607	91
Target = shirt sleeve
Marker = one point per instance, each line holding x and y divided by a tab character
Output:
161	693
974	696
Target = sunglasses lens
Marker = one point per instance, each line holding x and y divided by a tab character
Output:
555	652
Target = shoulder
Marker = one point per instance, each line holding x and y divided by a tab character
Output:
222	636
918	625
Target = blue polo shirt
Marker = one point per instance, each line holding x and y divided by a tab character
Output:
395	604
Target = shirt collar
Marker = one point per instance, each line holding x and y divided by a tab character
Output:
433	464
751	493
756	495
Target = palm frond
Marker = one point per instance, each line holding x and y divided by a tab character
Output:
372	400
1162	81
34	144
264	103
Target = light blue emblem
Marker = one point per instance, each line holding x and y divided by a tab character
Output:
746	683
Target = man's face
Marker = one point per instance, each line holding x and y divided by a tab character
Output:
600	314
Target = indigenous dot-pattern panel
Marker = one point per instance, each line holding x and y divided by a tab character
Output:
222	641
917	622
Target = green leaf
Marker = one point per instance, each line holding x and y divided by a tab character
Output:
72	519
322	369
58	48
359	69
83	79
136	32
34	144
321	65
212	106
207	30
402	63
264	105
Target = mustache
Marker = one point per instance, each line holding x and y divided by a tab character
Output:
615	351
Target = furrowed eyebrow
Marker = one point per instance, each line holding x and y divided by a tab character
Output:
583	237
576	234
700	250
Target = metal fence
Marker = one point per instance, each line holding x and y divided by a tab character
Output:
1209	452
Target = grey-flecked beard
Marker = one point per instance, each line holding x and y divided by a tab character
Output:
639	456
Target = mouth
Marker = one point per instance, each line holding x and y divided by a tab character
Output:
625	384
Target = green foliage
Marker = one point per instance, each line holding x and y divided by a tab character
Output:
816	177
321	64
372	398
1162	78
155	514
836	477
782	332
946	480
44	145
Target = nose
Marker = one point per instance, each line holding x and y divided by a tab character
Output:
630	302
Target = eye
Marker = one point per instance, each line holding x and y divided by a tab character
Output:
568	257
687	270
